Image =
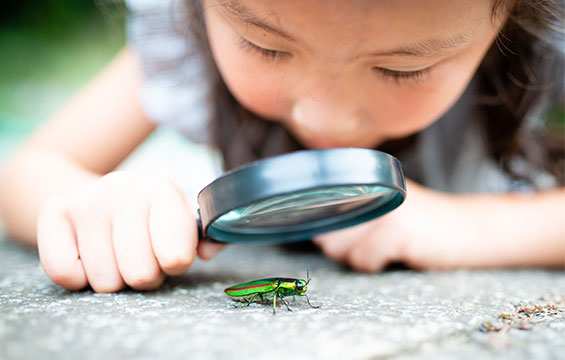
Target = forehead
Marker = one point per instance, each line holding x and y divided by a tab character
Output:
352	24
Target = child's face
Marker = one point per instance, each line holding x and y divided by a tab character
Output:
349	73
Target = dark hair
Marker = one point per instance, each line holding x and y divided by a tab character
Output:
521	76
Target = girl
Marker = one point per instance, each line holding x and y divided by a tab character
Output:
458	90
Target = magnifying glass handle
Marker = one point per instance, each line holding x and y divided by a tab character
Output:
201	234
199	226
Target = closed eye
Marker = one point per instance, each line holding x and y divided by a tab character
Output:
403	76
267	54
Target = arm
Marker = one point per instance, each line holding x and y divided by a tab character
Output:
518	229
87	138
438	230
105	229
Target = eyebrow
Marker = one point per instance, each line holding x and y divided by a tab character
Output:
425	48
246	15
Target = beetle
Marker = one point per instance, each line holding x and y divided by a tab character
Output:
264	290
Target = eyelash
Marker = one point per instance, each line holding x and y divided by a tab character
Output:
270	55
400	77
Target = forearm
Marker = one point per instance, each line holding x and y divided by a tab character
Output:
516	229
91	135
28	180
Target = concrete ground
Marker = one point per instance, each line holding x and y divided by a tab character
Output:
398	314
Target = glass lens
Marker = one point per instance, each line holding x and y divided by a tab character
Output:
306	207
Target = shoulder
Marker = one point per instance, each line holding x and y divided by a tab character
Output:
155	30
176	86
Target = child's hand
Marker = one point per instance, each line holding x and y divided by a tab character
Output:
123	229
427	231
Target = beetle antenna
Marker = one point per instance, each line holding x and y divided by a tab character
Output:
307	274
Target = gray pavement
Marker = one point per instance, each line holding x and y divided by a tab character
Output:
398	314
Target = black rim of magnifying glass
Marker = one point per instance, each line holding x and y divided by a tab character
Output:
297	172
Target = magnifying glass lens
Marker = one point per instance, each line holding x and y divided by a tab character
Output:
296	196
309	207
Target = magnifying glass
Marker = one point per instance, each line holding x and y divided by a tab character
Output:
296	196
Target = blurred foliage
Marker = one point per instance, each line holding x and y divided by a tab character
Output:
49	17
49	48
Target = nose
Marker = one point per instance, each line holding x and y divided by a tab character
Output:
328	107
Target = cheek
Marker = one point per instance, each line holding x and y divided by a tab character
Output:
413	109
424	104
256	83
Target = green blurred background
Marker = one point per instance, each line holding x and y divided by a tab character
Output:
48	50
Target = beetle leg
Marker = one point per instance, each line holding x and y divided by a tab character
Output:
308	300
275	302
284	302
251	300
248	303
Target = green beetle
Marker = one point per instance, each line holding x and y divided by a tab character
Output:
265	290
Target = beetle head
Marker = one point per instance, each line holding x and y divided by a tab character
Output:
300	286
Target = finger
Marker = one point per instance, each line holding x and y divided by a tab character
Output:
173	231
56	244
337	244
369	255
94	238
207	249
130	235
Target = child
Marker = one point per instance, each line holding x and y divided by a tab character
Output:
457	90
